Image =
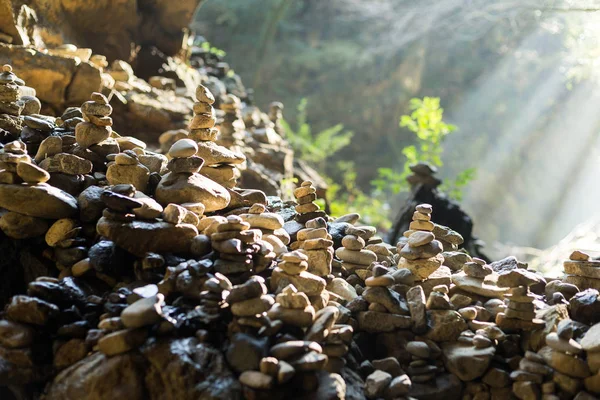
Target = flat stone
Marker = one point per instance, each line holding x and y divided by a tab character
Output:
305	282
425	251
518	277
477	286
41	200
248	308
256	380
146	311
122	341
362	257
421	269
565	363
371	321
141	237
420	238
590	269
31	173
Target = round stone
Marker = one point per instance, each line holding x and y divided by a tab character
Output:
425	208
183	148
420	238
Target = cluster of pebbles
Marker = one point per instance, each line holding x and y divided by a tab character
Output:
147	249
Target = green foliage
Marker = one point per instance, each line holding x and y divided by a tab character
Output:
213	50
347	198
426	122
315	148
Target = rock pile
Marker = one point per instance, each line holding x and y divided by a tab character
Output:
134	261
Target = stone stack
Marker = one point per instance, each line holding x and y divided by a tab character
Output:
355	259
565	356
422	253
381	250
67	171
270	224
591	344
307	209
250	298
125	168
10	156
220	162
449	238
132	326
424	365
582	272
520	311
379	295
276	116
317	244
293	270
213	296
95	132
234	241
478	281
11	105
233	128
292	308
28	205
185	186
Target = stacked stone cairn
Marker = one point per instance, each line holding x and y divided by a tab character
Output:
234	241
270	225
422	253
16	101
531	376
184	185
565	356
293	270
125	168
582	271
292	308
307	209
355	259
520	310
276	116
233	127
478	281
423	174
250	298
220	162
317	244
94	134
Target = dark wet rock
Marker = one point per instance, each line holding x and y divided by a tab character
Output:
585	306
245	352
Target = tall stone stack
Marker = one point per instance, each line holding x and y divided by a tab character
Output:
220	162
16	100
233	127
292	308
422	253
275	116
582	271
125	168
307	209
234	241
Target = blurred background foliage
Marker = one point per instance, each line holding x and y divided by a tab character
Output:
518	78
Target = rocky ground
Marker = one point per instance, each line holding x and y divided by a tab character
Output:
151	274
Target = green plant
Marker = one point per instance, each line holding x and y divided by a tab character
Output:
346	197
213	50
426	122
311	147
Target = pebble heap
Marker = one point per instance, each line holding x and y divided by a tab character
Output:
142	275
